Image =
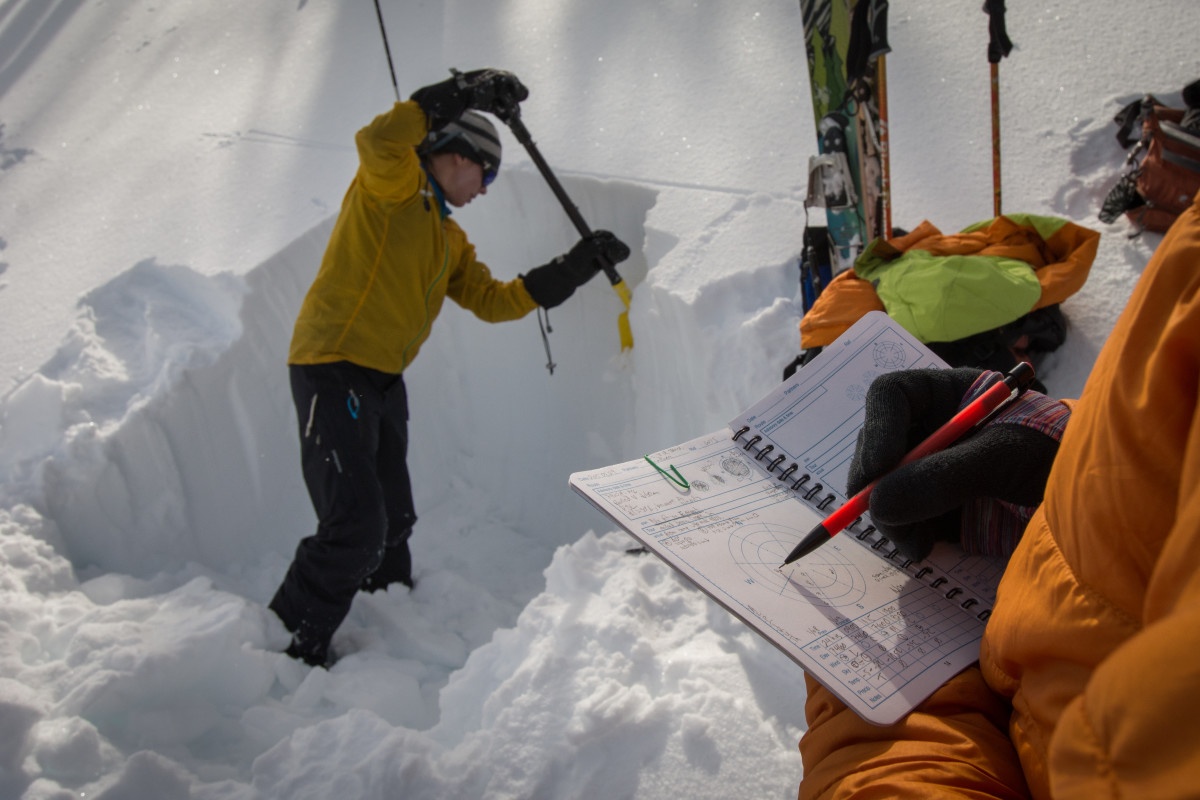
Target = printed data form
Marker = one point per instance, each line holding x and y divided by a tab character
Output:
879	637
880	631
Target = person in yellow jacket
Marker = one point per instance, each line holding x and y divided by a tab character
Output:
1088	683
394	255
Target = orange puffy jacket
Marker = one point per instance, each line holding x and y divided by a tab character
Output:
1059	254
1088	683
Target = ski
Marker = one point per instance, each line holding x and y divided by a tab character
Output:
844	41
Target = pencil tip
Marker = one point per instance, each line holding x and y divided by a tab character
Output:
815	538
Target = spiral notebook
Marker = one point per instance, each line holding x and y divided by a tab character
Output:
725	509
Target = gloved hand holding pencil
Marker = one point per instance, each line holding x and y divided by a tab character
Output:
982	490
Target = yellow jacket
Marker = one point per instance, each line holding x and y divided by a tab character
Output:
1088	684
392	259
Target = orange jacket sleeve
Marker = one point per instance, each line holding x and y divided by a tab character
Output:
957	739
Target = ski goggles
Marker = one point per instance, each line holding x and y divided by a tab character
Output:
489	175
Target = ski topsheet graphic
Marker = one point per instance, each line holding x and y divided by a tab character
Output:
843	40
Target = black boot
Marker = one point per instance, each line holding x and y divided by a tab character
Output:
312	652
396	567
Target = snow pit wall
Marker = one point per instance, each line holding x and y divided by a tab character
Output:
204	466
201	465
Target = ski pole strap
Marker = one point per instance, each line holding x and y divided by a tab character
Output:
546	329
999	45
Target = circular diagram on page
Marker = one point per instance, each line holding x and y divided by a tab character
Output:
759	550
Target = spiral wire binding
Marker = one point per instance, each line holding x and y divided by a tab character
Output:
877	543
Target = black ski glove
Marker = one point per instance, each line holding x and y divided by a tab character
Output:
551	284
492	90
495	91
982	490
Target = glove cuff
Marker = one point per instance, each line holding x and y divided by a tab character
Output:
995	525
1033	410
442	103
991	526
548	284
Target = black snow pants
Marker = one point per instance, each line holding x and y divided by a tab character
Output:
353	449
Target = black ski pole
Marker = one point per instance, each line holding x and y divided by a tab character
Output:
522	133
512	117
388	50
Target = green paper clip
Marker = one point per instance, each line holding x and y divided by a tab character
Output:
676	479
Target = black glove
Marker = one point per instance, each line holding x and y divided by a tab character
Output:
492	90
551	284
495	91
980	491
